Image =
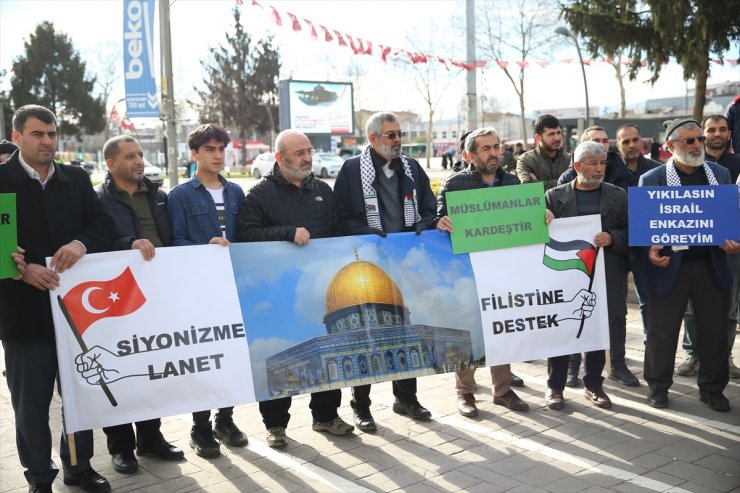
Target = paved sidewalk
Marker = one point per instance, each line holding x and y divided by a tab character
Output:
630	448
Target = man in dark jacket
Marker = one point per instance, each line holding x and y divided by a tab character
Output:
382	191
676	274
483	151
139	212
289	204
587	195
58	216
616	172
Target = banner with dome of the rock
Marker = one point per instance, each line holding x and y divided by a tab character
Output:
205	327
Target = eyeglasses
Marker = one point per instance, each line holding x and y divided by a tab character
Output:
392	135
691	140
304	152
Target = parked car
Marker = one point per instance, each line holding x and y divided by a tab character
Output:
89	167
154	173
262	164
327	164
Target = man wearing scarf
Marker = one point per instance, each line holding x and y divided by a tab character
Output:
382	191
677	274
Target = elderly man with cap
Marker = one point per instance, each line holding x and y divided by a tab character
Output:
677	274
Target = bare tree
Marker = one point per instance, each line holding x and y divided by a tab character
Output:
512	32
620	75
106	64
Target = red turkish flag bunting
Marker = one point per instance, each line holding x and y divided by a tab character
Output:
91	301
296	22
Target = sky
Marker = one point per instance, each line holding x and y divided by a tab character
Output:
282	286
95	28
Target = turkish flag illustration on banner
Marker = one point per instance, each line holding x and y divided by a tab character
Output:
91	301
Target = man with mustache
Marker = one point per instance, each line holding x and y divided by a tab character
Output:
589	194
677	274
382	191
482	149
717	133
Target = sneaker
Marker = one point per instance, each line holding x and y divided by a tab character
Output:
466	405
688	367
276	437
227	432
336	426
554	399
623	375
203	442
598	398
364	420
734	370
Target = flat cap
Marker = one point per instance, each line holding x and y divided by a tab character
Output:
673	125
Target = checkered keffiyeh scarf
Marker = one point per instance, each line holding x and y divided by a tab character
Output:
674	180
372	211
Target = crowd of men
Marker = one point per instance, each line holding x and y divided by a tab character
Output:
381	191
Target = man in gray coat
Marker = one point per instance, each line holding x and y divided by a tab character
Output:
587	195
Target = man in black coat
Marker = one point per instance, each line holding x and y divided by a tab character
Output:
382	191
482	149
139	212
586	195
289	204
58	216
616	172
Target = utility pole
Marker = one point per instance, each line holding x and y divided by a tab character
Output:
168	92
471	75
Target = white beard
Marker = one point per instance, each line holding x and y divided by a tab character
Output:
688	159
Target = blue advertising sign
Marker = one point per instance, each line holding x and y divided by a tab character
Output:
142	98
706	215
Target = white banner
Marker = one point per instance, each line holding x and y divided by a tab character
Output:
160	338
538	301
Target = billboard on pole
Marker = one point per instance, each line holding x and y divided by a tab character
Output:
316	107
142	99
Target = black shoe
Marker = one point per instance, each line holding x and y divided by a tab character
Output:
658	398
125	462
227	431
715	400
203	442
159	448
364	420
412	409
39	487
573	381
623	375
88	480
516	381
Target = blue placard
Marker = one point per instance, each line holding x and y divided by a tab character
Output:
142	98
706	215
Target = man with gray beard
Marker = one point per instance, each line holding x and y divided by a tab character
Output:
679	273
586	195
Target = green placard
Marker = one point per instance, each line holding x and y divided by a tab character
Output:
8	235
497	217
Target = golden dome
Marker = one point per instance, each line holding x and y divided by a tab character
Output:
361	283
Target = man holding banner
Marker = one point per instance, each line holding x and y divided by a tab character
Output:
679	273
58	216
482	149
139	210
382	191
587	195
290	204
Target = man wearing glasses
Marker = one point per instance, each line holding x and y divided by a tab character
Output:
677	274
289	204
382	191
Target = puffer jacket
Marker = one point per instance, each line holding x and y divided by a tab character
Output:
124	217
274	208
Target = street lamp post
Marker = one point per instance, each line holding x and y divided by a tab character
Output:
563	31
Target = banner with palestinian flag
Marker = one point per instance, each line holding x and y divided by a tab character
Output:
535	304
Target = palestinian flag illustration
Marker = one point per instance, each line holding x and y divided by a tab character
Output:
567	255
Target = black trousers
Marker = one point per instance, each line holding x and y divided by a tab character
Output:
31	370
695	282
404	390
323	407
557	370
202	418
121	438
617	336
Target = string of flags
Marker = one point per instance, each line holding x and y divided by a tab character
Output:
361	46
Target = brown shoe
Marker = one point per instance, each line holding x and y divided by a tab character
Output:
511	400
554	399
598	397
466	405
